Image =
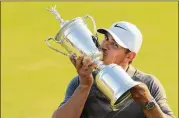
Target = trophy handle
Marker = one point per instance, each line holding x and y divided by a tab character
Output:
95	37
49	45
94	24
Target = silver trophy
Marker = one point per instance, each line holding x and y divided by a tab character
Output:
75	37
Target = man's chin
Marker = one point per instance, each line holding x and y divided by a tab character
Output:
105	62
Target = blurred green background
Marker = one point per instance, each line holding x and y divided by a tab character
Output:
34	77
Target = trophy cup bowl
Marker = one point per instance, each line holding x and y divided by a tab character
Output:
75	37
115	84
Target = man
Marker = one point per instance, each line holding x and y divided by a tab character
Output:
84	100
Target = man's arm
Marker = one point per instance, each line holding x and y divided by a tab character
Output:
74	106
156	112
143	94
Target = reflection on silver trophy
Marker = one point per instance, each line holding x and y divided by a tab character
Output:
75	37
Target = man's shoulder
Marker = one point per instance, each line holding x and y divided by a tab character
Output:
144	77
152	82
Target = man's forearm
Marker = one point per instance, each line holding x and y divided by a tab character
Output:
156	112
74	106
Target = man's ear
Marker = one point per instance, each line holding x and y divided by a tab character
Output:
131	56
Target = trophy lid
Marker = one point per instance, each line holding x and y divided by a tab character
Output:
58	17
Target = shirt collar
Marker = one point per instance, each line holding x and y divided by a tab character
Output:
131	70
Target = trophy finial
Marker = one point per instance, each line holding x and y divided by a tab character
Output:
54	11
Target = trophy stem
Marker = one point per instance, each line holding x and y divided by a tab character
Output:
99	63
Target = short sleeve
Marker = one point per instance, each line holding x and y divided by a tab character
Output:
158	92
70	89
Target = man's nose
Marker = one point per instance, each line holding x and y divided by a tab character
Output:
104	45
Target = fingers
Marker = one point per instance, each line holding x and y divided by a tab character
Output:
79	62
73	59
140	86
92	66
89	65
82	63
86	63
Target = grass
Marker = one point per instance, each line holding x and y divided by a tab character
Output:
34	78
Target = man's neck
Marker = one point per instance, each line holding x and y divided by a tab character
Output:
125	67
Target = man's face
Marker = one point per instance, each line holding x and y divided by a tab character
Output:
112	52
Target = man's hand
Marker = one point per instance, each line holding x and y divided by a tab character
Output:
84	67
141	94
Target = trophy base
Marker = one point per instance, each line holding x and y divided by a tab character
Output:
123	101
